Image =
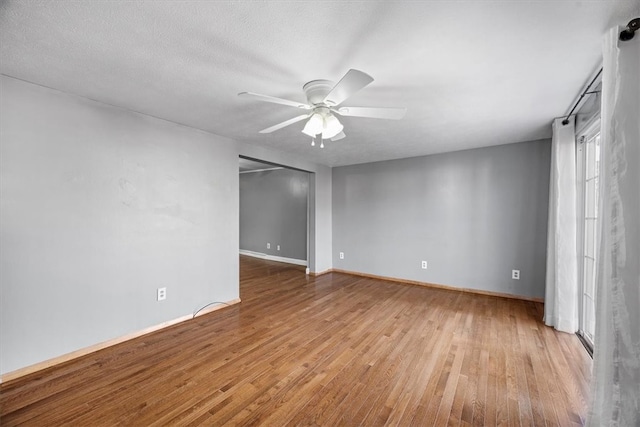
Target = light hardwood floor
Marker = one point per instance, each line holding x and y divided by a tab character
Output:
331	350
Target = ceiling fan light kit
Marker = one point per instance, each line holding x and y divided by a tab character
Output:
332	127
322	122
314	125
323	100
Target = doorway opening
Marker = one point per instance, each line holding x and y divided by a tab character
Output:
274	211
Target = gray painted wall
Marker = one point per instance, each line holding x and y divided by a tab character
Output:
273	209
99	207
472	215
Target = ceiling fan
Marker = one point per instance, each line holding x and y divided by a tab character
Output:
323	100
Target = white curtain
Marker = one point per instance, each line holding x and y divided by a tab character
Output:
561	295
616	369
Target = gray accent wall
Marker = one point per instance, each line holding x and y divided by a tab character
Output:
473	215
273	209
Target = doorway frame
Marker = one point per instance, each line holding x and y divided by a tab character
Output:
311	255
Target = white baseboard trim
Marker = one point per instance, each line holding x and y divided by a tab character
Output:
10	376
274	258
438	286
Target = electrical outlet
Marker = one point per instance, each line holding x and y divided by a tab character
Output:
341	255
424	265
278	247
515	274
162	294
268	245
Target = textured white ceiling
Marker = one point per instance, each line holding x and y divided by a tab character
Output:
471	73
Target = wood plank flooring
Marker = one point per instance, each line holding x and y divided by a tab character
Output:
334	350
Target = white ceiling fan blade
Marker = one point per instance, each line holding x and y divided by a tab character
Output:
372	112
284	124
274	100
352	82
338	137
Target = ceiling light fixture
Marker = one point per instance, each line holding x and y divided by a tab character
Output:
323	100
322	122
315	125
332	127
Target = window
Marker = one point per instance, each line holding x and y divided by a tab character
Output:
589	173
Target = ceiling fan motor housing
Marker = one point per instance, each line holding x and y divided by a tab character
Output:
317	90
